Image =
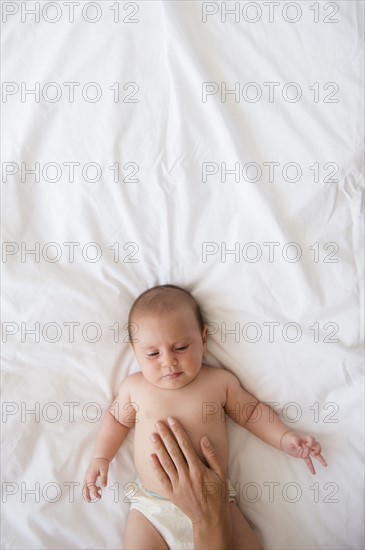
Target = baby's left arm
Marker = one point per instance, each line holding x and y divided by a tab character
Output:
261	420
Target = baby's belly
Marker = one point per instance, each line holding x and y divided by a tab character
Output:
143	446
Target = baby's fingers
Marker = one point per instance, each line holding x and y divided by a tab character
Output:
92	492
316	453
308	443
306	452
320	459
309	463
86	493
103	476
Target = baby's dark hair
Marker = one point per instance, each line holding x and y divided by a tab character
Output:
161	299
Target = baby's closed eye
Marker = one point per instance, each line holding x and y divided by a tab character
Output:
177	348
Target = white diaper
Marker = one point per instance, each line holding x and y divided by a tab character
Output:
173	525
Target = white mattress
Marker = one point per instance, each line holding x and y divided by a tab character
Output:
292	128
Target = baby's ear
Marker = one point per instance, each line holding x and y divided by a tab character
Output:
205	335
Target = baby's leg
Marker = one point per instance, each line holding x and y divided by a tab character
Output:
140	534
243	537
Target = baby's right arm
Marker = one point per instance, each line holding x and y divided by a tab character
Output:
113	431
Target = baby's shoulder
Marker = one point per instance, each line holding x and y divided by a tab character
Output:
132	381
218	374
135	377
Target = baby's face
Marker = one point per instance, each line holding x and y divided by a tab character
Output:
170	347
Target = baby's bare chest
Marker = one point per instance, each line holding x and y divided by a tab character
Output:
199	412
204	405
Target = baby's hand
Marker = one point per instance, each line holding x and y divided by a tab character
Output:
98	468
302	446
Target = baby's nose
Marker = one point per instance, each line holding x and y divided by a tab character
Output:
169	360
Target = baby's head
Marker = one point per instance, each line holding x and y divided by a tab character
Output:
168	334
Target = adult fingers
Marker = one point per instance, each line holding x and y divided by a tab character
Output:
186	450
211	456
166	450
160	473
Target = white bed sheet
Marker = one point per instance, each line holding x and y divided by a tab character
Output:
172	214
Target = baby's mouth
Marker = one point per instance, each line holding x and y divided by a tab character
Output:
172	375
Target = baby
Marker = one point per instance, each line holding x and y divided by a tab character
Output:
169	338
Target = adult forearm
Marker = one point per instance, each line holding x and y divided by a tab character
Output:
266	425
110	437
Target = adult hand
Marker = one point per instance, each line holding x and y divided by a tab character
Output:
200	491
